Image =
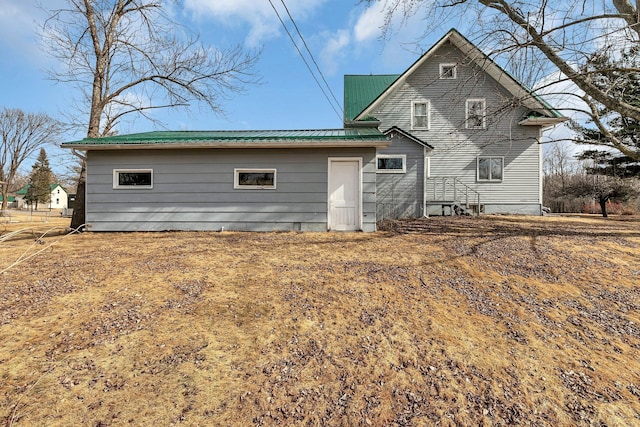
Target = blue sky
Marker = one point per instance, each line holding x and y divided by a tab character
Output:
344	37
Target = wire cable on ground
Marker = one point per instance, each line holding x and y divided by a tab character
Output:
22	258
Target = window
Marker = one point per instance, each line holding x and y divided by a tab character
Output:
133	178
420	115
254	179
490	168
475	114
391	163
448	71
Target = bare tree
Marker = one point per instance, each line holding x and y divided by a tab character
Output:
130	57
559	38
21	135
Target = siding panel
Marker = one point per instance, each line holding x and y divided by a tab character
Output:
193	190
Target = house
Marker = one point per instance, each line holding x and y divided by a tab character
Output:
465	134
11	201
308	180
452	134
58	200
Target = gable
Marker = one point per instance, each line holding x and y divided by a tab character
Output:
544	114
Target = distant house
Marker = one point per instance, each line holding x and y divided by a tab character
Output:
465	134
59	198
11	201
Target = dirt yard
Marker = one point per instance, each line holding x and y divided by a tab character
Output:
446	321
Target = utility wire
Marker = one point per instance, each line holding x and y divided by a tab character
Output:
306	62
312	58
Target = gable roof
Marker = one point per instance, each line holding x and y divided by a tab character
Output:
368	136
23	190
395	130
361	90
546	115
10	199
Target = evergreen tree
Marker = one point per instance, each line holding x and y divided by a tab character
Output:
607	127
40	181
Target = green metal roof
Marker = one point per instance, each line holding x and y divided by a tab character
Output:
23	190
358	136
10	199
362	90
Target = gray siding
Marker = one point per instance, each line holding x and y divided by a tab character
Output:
193	190
400	195
457	148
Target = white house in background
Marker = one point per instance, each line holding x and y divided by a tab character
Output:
59	198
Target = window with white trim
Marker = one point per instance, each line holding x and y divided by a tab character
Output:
254	179
420	111
490	168
391	163
475	116
448	71
133	178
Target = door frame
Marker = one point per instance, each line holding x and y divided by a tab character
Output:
330	160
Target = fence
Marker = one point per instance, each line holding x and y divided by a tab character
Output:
13	216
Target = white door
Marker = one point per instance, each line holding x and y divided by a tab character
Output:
345	213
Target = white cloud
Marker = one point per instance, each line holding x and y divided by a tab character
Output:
333	51
258	15
369	25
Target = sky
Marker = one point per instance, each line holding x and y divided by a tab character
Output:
344	37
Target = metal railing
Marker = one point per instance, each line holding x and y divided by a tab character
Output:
449	190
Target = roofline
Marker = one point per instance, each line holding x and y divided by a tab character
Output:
297	143
408	136
481	60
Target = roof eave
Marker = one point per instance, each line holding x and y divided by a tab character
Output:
376	143
544	122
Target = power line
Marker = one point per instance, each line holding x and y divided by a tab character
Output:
340	116
311	55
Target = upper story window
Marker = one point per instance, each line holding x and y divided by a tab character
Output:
476	114
490	168
254	179
391	163
420	115
133	178
448	71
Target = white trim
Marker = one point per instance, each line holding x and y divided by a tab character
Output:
428	115
452	65
392	156
478	179
116	181
360	187
238	186
484	113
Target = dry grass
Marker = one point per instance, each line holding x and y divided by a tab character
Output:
449	321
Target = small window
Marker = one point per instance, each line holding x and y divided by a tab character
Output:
490	168
391	163
476	114
255	179
420	115
133	178
448	71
